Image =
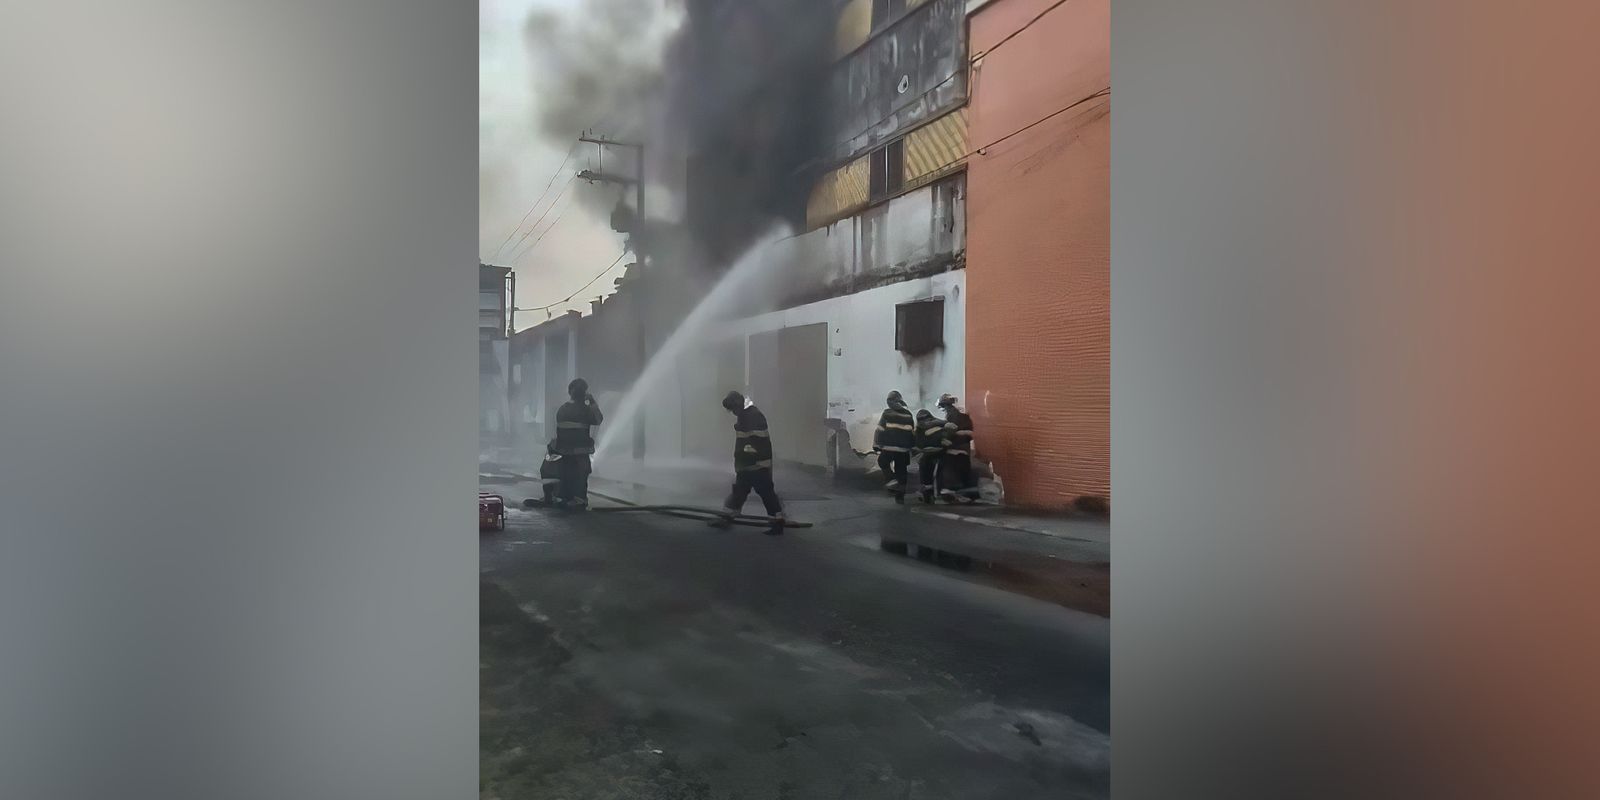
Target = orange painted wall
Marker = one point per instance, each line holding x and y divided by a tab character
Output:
1038	250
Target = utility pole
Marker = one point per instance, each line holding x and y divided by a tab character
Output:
637	180
638	236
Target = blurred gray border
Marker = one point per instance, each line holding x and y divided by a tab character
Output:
238	400
1238	534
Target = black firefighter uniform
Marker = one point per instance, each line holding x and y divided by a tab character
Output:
895	438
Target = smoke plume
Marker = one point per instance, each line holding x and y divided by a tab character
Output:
727	95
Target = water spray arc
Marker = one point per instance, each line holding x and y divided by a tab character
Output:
741	282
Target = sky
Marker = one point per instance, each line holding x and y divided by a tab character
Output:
514	167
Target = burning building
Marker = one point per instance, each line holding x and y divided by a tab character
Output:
872	296
844	123
847	123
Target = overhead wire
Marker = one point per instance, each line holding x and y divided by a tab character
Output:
564	161
518	260
1015	33
1106	92
535	225
580	289
536	203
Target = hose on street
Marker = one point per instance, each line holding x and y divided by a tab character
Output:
681	511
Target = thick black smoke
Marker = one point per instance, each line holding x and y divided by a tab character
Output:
756	114
731	105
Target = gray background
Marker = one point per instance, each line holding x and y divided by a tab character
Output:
237	413
237	400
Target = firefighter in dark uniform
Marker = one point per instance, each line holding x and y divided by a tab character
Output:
955	469
752	464
550	474
896	436
575	442
931	443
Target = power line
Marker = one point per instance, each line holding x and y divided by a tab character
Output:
570	150
569	297
518	252
1013	34
1106	92
536	203
546	213
541	236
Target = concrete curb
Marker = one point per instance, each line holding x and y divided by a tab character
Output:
1002	525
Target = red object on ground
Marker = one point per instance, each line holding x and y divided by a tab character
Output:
491	512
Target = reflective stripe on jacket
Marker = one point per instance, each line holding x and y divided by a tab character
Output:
897	430
931	439
573	423
958	429
752	443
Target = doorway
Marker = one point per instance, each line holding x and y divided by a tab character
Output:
789	381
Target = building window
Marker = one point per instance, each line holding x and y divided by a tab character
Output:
886	11
888	169
919	326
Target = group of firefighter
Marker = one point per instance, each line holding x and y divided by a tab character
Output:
943	449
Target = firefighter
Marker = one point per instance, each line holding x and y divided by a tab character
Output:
931	443
896	436
955	468
752	464
550	474
575	442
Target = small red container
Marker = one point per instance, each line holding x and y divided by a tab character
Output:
491	512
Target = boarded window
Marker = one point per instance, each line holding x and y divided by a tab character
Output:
888	169
838	192
919	326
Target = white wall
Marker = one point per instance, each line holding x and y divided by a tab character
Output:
683	418
863	366
494	407
915	227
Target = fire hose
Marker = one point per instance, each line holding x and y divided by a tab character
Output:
681	511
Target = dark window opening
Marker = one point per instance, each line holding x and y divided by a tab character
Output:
919	326
887	169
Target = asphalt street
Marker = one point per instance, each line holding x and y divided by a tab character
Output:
641	656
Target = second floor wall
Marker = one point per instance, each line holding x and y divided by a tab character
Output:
901	63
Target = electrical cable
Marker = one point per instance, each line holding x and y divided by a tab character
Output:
564	161
546	213
1106	92
552	181
569	297
1013	34
553	223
